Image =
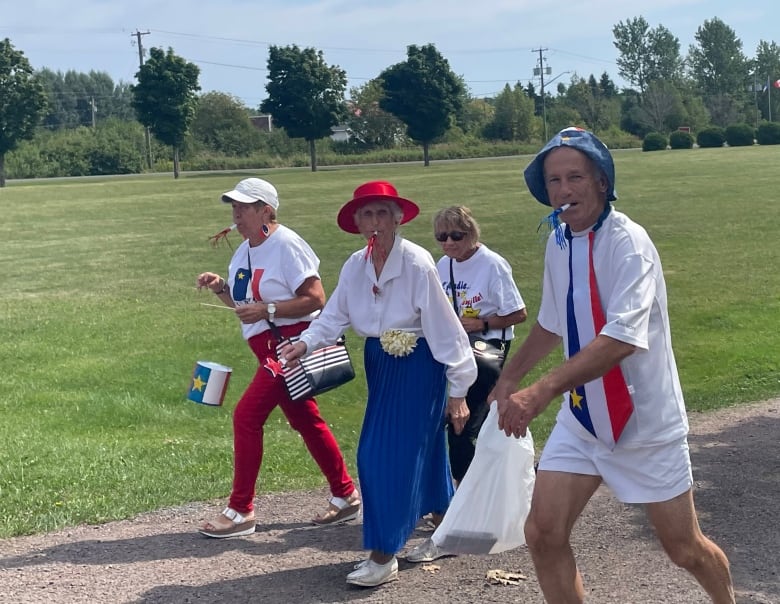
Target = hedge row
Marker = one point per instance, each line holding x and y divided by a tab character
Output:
736	135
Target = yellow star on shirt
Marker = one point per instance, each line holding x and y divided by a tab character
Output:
575	399
197	384
240	275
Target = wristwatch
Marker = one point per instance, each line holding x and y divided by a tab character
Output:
271	311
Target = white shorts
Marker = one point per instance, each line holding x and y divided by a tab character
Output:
647	474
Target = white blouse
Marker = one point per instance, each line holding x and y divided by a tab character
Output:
407	296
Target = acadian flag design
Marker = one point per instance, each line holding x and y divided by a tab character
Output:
246	285
209	383
603	406
240	285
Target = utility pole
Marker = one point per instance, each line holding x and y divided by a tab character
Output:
540	71
147	134
93	107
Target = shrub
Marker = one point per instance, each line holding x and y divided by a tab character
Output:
711	137
654	141
615	138
768	134
117	147
680	140
740	135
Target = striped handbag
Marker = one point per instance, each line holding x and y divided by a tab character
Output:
324	369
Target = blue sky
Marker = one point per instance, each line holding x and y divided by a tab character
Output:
489	43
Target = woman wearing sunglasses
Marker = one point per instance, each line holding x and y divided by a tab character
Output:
479	284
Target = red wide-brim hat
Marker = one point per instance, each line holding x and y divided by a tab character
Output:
376	190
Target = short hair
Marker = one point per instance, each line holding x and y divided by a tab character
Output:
460	218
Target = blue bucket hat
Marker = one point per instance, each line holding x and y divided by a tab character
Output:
579	139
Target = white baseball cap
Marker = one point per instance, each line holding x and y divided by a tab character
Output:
251	190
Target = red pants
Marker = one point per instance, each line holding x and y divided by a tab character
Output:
261	396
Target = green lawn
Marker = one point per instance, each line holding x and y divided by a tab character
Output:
102	324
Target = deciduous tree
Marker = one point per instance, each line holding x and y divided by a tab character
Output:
597	105
766	70
305	94
165	98
646	54
222	124
75	98
371	126
22	101
721	71
423	93
513	116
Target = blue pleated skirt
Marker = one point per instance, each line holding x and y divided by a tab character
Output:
402	454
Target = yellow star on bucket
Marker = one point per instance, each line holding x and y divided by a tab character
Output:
197	384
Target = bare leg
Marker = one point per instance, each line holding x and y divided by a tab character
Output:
380	557
558	501
677	527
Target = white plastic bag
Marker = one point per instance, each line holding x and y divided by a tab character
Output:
488	511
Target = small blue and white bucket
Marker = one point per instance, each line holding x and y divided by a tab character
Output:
209	383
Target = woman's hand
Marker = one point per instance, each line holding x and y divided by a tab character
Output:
252	312
290	354
211	280
472	324
457	412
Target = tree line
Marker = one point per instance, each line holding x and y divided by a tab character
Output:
85	123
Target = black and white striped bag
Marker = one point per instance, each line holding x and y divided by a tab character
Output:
324	369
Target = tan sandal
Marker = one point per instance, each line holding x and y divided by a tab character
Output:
239	525
339	510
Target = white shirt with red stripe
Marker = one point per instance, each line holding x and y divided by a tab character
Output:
632	291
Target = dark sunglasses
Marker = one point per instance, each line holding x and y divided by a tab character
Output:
454	235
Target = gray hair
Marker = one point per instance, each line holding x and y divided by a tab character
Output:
394	208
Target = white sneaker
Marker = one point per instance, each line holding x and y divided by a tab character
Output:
372	574
427	551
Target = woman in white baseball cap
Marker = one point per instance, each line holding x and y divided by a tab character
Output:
273	280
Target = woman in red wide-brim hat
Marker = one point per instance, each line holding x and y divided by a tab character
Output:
416	354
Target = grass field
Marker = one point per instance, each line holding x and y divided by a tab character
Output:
102	324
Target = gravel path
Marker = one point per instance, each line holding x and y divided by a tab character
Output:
159	558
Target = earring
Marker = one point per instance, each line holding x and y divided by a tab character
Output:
266	230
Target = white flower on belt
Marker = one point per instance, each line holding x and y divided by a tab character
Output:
397	342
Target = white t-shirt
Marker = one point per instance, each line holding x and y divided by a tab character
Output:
484	287
632	291
407	296
278	268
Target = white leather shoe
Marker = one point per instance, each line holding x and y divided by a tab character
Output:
427	551
372	574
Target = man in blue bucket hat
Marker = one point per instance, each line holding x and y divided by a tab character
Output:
622	421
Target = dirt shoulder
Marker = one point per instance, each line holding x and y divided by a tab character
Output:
159	558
